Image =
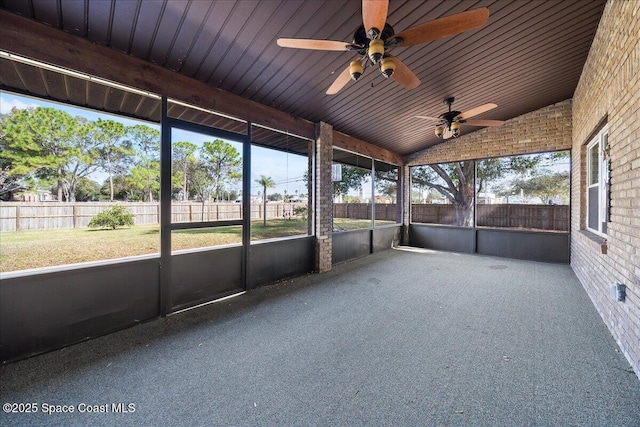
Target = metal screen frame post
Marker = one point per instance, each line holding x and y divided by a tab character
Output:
373	203
246	208
475	206
165	210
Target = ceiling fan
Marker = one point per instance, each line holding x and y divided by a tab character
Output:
375	38
449	123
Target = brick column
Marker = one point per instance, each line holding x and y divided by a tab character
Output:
323	196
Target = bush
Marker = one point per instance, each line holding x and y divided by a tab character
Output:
112	218
301	211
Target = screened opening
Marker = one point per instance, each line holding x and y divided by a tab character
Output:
78	185
280	184
352	191
206	178
528	192
387	194
443	193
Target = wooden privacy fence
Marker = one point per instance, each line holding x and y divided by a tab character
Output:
433	214
384	211
40	216
540	217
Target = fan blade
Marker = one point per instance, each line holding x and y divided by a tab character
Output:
444	27
314	44
476	111
374	14
340	82
404	75
428	118
484	122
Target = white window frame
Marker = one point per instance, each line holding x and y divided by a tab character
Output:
600	143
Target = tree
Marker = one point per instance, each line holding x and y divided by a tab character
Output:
114	152
546	186
83	157
386	183
112	218
184	160
223	163
145	175
351	199
274	197
352	179
455	182
265	182
9	183
201	183
36	143
121	186
86	190
144	182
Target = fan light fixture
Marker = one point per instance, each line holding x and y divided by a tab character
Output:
375	38
449	123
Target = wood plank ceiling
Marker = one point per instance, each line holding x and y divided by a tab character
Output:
529	55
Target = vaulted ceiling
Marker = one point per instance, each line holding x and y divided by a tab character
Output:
529	55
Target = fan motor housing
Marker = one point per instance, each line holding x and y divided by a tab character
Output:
449	116
361	38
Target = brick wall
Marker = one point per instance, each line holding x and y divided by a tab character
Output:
609	90
323	196
546	129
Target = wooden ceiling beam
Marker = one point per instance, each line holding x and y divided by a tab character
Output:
33	40
350	143
30	39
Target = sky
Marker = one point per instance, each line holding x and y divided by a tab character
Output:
285	169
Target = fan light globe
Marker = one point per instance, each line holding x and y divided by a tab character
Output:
355	69
387	67
439	131
376	50
455	128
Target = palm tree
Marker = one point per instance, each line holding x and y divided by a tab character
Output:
266	182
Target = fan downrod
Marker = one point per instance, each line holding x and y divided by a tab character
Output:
450	115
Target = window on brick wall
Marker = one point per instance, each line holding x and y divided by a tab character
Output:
598	173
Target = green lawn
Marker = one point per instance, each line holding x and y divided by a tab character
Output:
21	250
343	224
